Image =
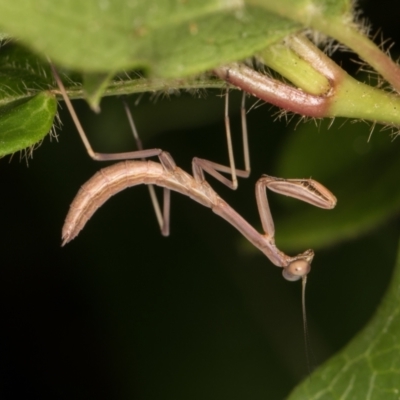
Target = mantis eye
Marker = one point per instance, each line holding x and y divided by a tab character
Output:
296	270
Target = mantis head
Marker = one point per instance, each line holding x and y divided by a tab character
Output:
299	267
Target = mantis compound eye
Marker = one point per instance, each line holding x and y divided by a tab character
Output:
296	270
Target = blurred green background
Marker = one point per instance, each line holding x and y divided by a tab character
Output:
122	312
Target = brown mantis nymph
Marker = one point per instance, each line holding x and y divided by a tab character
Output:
111	180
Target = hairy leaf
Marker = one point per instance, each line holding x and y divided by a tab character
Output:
22	124
368	367
169	39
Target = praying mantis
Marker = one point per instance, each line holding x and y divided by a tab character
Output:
113	179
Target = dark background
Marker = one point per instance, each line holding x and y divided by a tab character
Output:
122	312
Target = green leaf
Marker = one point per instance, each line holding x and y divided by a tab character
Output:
94	86
308	13
368	367
175	38
22	74
169	39
24	123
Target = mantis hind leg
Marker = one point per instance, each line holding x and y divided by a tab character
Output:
200	165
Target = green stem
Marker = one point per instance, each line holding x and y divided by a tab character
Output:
300	72
365	48
126	87
337	21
